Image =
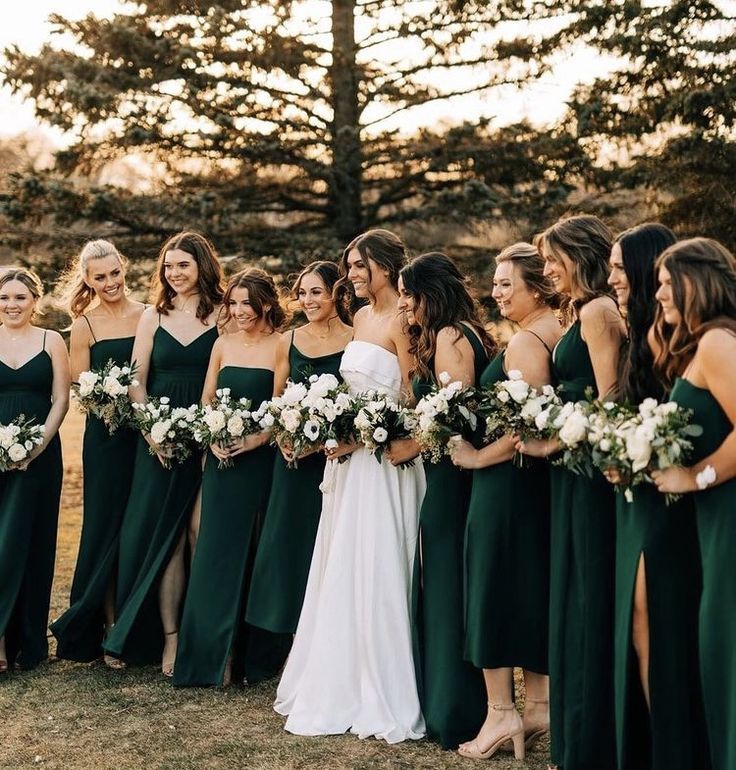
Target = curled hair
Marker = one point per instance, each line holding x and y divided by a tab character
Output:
586	241
441	292
530	266
329	274
27	277
703	280
77	295
262	292
209	274
381	247
640	247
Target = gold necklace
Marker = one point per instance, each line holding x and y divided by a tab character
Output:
183	308
320	336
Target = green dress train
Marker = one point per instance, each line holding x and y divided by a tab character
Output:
451	690
234	500
715	509
507	561
582	539
287	541
107	462
159	505
29	514
673	736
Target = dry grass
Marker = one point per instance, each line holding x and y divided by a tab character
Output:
86	717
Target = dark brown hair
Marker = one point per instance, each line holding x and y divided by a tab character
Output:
329	274
262	292
209	274
703	276
441	292
382	247
530	265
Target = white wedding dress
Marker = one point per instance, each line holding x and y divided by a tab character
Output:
351	666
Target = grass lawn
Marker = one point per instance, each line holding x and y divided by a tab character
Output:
85	717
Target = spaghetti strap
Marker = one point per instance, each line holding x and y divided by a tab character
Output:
44	341
159	319
291	341
90	328
547	347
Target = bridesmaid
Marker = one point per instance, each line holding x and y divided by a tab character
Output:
446	335
34	381
583	519
658	575
507	535
234	499
172	347
100	334
697	298
287	541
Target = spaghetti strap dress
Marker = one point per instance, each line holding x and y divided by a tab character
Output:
451	690
717	536
583	537
507	561
107	463
234	501
29	515
159	504
673	735
290	527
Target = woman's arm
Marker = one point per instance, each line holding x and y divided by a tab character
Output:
715	363
213	370
601	327
401	342
79	348
282	369
141	355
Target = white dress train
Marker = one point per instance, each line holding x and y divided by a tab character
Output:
351	666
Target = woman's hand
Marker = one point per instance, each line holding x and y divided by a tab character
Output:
536	447
163	454
463	453
220	452
247	444
341	450
614	476
401	450
675	481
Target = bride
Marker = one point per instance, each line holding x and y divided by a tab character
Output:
351	666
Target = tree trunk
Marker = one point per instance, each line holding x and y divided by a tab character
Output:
346	179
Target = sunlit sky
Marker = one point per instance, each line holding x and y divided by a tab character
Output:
28	27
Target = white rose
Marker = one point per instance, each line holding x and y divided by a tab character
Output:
331	444
425	422
6	437
380	435
323	385
115	372
362	420
17	452
444	378
515	374
294	393
113	388
503	396
542	419
267	420
291	419
638	450
605	445
164	400
343	400
574	430
87	382
235	425
531	409
647	406
517	389
311	430
159	431
214	420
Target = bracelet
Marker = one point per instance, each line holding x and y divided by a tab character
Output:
705	478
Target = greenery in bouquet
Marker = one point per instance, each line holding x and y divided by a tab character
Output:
17	440
103	392
171	429
380	420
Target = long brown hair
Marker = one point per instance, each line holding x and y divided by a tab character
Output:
382	247
329	274
209	274
703	279
78	296
586	241
262	292
441	292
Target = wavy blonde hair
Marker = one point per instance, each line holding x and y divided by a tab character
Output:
76	294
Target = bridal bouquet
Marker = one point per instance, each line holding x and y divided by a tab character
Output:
225	421
447	410
381	420
172	430
634	443
17	440
570	423
103	392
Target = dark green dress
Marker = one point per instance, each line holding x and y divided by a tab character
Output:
507	561
159	505
451	690
233	503
29	514
583	537
673	736
715	509
107	462
287	541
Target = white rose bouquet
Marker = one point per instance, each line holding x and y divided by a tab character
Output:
17	440
380	420
172	430
224	421
570	423
447	410
103	392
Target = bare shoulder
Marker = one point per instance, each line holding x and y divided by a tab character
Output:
80	328
284	339
54	341
717	346
149	316
599	308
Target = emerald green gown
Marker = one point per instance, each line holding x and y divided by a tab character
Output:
29	514
287	541
715	509
159	504
234	500
673	736
507	561
582	539
107	462
451	690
